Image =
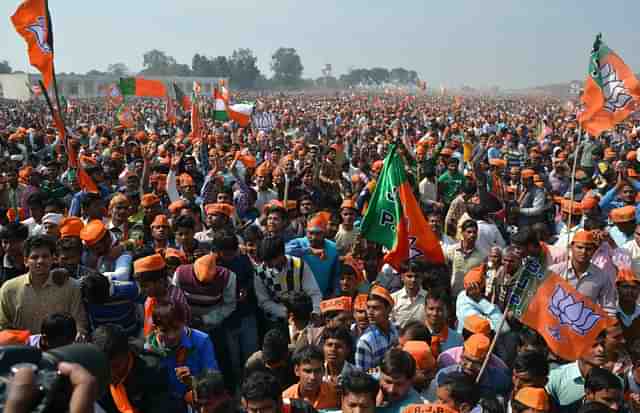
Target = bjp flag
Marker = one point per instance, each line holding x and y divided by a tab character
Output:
33	23
394	218
611	91
568	321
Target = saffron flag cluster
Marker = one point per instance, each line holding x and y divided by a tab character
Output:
611	91
568	321
394	218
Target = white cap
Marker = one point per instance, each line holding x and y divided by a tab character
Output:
52	218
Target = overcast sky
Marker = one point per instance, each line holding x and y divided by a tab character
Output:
511	43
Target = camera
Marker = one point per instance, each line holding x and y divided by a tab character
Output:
53	390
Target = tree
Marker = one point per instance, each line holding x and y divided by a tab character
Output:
243	68
95	72
399	75
118	69
379	75
287	67
4	66
219	66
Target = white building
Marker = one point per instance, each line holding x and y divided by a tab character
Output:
17	85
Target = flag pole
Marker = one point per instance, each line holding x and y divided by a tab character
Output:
485	362
572	194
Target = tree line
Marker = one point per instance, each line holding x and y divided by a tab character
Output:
242	70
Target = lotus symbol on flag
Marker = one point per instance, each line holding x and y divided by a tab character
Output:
572	313
615	94
40	32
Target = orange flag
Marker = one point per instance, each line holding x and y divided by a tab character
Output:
568	321
611	91
415	238
32	22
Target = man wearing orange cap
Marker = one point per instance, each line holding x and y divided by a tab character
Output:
160	233
493	381
624	223
426	366
531	400
472	302
319	253
628	286
347	231
588	279
532	202
381	334
262	178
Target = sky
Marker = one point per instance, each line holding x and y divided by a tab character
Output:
506	43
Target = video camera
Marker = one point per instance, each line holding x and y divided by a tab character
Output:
53	390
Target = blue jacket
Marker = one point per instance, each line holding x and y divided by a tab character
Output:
325	271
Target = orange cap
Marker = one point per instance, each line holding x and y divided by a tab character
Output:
498	163
205	268
70	227
477	346
175	253
527	173
584	236
533	397
176	206
624	214
626	276
93	232
421	353
569	207
149	200
377	166
589	202
475	275
219	208
185	179
317	223
360	303
160	221
336	304
477	325
153	262
632	156
381	292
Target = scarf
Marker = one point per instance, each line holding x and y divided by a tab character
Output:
181	353
119	392
439	339
149	305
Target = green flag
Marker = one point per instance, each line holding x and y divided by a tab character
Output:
394	218
380	221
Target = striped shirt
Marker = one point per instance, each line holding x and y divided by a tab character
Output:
372	346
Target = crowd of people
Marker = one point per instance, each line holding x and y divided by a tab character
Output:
226	271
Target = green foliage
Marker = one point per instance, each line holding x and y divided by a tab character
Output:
287	67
